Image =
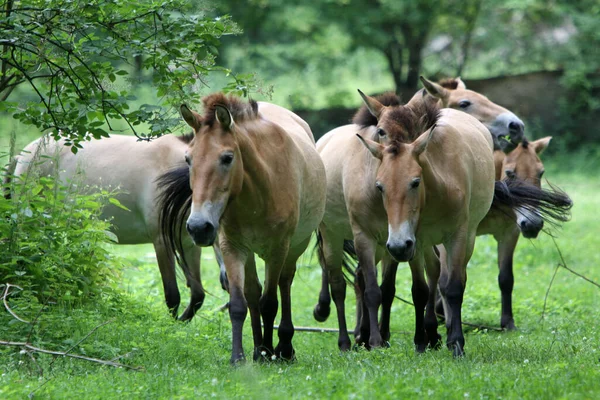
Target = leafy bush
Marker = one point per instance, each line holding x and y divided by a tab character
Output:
51	239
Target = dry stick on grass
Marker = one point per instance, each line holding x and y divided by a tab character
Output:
562	264
29	347
7	287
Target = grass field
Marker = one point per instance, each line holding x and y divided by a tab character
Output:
557	357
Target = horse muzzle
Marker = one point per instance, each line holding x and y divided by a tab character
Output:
203	232
401	250
530	230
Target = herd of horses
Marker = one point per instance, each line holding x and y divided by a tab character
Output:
414	182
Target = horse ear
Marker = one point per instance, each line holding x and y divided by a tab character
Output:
192	118
375	148
420	144
224	117
434	89
374	106
459	83
541	144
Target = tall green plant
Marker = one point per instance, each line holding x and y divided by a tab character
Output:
52	237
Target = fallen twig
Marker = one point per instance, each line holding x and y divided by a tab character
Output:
83	338
7	287
548	291
30	347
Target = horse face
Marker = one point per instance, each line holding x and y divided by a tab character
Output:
500	122
524	164
215	174
399	183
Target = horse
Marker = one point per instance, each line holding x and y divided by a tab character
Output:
356	208
257	187
506	128
506	225
132	167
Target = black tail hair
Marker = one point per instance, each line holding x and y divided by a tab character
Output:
349	262
553	205
174	203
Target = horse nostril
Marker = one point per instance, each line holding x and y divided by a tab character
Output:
409	244
516	126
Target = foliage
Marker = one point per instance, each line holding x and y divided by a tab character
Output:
552	358
76	56
52	239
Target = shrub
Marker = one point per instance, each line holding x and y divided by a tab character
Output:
52	237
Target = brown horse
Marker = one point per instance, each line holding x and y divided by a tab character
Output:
506	128
356	208
524	164
258	186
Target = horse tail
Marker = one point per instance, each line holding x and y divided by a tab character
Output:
552	205
174	203
7	178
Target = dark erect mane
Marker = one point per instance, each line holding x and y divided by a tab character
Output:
524	142
239	109
449	83
364	118
187	137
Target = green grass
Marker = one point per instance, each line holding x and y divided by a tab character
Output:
558	357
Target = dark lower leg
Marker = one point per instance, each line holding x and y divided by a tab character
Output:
284	349
238	310
388	291
268	310
454	297
323	307
338	291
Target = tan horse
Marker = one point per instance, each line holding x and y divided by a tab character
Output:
123	163
258	184
356	208
506	128
524	164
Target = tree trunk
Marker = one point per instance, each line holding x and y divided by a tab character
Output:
393	53
471	22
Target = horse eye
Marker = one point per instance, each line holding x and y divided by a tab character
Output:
227	158
510	173
379	186
415	183
380	132
464	103
187	159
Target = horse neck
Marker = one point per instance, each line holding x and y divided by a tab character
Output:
255	171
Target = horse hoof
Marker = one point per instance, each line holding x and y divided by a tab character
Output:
285	353
321	313
436	342
509	326
420	348
457	350
237	361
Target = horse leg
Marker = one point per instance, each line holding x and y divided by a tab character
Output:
323	308
194	282
389	267
222	272
332	257
432	267
252	291
166	265
268	301
420	296
446	312
459	251
506	280
361	338
235	261
365	250
285	349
